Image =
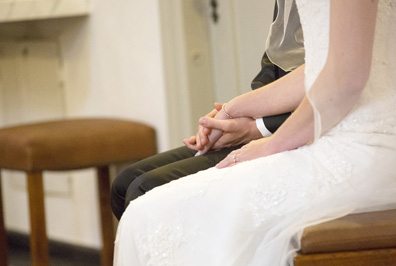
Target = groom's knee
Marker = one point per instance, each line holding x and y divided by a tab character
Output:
143	183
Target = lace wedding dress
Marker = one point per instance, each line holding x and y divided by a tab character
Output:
254	213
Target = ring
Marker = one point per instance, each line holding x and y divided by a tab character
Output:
234	158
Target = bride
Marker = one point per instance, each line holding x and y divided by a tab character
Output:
333	156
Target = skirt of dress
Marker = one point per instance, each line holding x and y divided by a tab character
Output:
254	213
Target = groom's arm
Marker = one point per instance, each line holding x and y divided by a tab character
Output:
268	125
268	73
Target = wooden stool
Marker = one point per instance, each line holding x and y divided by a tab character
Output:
364	239
68	145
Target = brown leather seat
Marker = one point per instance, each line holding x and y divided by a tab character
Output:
66	145
364	239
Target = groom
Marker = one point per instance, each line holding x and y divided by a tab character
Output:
162	168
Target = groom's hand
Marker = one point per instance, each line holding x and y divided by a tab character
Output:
201	139
235	131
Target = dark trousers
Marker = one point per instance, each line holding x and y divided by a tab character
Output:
140	177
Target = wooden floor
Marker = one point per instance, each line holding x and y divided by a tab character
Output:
60	254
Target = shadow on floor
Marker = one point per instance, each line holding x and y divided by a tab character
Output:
61	254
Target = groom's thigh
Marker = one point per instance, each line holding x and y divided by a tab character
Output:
127	175
173	171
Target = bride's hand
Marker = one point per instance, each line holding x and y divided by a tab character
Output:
252	150
213	134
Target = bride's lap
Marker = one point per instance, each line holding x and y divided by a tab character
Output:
263	196
325	164
292	178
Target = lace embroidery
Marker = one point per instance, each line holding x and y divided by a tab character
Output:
268	194
265	198
200	192
337	165
159	245
377	105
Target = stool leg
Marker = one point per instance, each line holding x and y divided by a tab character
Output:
3	235
106	216
38	236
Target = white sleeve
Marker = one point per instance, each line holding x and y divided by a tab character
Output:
262	128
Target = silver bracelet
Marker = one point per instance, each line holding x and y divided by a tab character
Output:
224	111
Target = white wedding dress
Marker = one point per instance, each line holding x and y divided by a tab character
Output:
253	214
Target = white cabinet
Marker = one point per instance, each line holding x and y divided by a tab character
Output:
30	82
18	10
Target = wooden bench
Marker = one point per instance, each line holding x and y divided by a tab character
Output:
364	239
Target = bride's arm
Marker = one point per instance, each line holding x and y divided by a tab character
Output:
278	97
336	89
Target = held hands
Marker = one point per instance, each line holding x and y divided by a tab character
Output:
201	139
217	131
234	131
206	137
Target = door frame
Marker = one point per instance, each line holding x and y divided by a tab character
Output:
187	66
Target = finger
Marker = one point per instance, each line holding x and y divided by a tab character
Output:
218	106
212	123
212	113
217	146
198	142
222	143
204	150
189	144
227	161
222	164
203	138
206	131
192	140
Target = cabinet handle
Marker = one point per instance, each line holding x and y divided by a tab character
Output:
215	15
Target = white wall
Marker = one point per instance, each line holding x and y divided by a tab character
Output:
119	48
111	64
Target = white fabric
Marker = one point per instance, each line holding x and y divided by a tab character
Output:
253	214
285	41
262	128
382	80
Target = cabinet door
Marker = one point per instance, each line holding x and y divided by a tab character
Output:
30	90
17	10
237	41
31	84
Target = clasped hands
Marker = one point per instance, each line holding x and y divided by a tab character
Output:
216	131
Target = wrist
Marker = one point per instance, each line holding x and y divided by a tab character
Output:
223	110
279	143
255	133
262	128
221	116
273	145
231	110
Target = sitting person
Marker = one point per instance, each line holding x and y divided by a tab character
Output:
333	155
